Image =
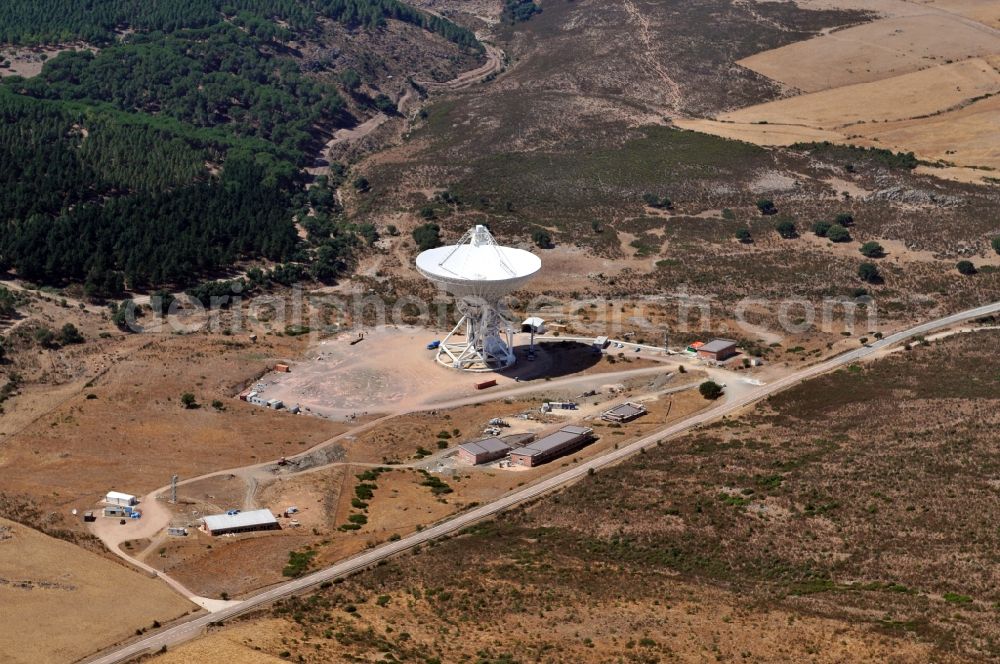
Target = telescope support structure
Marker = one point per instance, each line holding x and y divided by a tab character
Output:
483	339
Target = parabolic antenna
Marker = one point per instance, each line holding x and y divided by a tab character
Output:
479	273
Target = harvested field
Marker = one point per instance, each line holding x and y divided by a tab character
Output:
760	134
914	95
921	81
964	137
986	12
62	603
874	51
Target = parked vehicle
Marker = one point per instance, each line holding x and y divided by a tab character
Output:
434	345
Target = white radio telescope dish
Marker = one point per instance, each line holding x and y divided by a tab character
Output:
479	273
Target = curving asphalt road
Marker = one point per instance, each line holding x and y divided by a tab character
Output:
191	629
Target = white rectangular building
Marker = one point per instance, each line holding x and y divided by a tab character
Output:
119	498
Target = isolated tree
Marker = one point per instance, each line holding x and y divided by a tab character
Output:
786	229
995	243
70	335
838	233
188	400
872	250
656	201
427	236
869	273
161	301
744	236
384	103
362	184
821	228
45	337
350	79
541	238
710	390
844	219
966	267
8	302
766	206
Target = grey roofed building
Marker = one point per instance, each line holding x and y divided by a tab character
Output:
624	412
482	451
551	446
218	524
716	345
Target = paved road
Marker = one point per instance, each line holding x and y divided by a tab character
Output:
189	630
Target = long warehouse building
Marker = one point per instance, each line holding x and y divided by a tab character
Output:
242	522
545	449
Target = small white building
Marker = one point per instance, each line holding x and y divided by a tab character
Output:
533	324
119	498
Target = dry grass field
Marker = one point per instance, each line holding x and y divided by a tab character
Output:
921	78
847	519
83	601
874	51
921	93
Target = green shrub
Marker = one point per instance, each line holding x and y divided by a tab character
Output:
869	272
766	206
838	233
872	250
956	598
786	229
821	228
966	268
710	390
298	563
427	236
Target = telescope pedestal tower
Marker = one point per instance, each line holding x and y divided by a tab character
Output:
483	340
479	273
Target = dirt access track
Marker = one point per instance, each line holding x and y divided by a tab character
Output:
921	78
